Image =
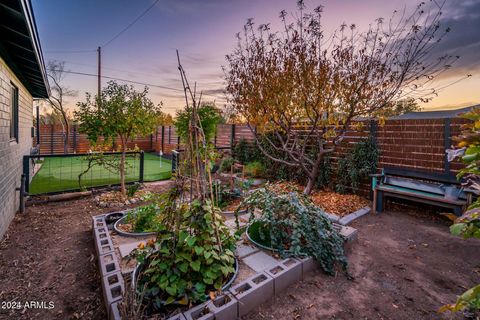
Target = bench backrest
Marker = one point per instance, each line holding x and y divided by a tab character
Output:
424	186
413	184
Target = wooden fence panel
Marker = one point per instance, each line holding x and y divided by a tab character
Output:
410	144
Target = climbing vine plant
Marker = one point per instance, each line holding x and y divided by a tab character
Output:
357	165
193	258
296	227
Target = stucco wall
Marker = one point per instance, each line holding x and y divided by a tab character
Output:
11	152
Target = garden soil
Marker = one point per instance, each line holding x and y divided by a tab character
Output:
405	266
48	255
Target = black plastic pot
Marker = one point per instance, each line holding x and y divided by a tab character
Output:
129	234
112	217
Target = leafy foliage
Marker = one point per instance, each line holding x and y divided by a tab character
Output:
255	169
194	257
120	112
468	225
186	267
209	118
245	152
401	106
297	227
226	164
146	218
356	165
132	189
307	87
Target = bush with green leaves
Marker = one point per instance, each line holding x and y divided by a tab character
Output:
468	225
186	267
357	165
209	116
226	164
245	152
147	218
297	227
255	169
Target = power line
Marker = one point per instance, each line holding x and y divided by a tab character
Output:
131	81
69	51
131	24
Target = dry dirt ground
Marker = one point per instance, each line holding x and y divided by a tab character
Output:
406	265
48	255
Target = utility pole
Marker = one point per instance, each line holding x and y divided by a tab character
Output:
99	50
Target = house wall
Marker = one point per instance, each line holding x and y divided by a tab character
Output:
11	153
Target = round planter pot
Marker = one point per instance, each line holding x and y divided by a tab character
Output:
225	287
129	234
262	246
112	217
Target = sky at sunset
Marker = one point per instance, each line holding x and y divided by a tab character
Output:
204	32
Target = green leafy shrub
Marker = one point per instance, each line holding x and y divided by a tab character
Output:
296	227
245	152
226	164
209	118
468	225
145	218
255	169
356	165
187	266
132	189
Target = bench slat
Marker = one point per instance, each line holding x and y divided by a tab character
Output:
419	194
415	185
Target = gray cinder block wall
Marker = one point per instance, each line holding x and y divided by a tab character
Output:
11	152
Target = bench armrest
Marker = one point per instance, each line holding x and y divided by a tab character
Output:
376	175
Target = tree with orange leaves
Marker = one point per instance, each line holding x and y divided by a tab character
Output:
306	89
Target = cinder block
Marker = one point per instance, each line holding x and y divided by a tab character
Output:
114	312
332	217
200	312
309	264
178	316
108	263
98	221
113	289
349	233
354	215
103	243
285	274
252	292
224	307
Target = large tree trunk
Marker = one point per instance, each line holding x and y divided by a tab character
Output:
313	175
122	169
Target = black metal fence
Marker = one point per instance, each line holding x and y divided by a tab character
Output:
49	174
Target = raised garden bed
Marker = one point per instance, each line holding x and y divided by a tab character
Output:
338	204
124	228
245	289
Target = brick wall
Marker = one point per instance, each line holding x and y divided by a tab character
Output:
11	152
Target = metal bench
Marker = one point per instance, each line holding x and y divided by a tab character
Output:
435	189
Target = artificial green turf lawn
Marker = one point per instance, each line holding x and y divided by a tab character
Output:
61	173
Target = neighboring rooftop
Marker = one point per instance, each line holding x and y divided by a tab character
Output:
440	114
20	47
